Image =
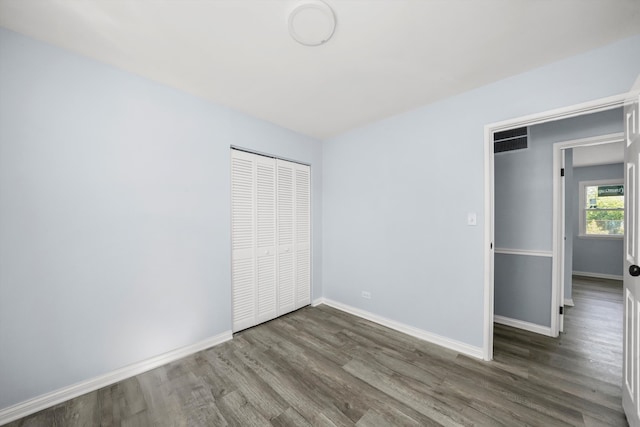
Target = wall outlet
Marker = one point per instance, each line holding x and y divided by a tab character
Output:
366	294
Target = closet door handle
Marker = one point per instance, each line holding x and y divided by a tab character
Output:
634	270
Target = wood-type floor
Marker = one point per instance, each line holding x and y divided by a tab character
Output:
322	367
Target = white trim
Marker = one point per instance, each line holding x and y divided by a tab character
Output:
563	240
316	302
506	251
588	107
557	239
489	238
598	275
591	141
567	112
568	302
55	397
521	324
601	236
458	346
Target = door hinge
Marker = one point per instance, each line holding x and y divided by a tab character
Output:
561	310
562	172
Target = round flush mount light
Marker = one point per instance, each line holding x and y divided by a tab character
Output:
312	22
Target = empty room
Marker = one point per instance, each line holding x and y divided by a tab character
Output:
319	212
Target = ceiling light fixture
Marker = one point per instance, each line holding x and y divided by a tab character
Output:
312	23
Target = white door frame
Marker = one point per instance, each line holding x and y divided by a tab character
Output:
590	107
559	188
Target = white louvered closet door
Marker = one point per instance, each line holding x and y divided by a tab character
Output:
266	244
243	239
271	233
286	229
302	234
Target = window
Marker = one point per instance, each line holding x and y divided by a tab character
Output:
602	208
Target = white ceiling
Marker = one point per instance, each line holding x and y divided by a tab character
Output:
385	57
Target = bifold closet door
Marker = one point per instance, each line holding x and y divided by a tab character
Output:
253	242
302	188
286	237
243	239
271	232
266	306
294	236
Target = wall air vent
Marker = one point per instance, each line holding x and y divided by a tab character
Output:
510	140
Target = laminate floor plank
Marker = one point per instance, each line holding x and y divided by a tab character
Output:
253	387
290	417
320	366
238	411
374	419
350	396
300	391
515	394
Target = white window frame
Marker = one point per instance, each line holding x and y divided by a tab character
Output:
582	231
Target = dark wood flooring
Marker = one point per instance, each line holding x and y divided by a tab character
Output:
322	367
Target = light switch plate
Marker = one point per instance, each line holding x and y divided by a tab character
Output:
472	219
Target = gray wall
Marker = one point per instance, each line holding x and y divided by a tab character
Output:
518	280
524	213
397	193
115	216
594	255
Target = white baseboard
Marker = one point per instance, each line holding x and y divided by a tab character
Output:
569	302
48	400
458	346
598	275
521	324
316	302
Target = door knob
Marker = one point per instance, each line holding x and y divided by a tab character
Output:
634	270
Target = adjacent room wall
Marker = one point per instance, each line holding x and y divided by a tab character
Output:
523	223
524	215
397	194
115	216
595	255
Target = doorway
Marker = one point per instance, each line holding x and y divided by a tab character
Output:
591	153
490	129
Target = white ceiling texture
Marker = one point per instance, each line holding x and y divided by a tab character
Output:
385	56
